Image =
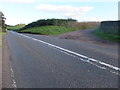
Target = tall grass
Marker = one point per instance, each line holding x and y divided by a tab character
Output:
84	25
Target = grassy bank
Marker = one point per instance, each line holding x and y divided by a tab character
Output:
47	30
107	36
15	27
56	29
53	26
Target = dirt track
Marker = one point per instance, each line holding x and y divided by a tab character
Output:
86	36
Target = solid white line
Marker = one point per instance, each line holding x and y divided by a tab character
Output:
74	53
88	61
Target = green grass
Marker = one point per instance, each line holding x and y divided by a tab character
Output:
0	39
1	35
14	27
48	30
107	36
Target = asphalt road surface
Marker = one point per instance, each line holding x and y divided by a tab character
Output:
38	61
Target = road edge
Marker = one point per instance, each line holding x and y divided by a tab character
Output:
6	73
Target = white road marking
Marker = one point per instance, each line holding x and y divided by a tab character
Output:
99	66
13	79
92	61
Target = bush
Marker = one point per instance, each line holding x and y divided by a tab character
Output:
111	27
107	36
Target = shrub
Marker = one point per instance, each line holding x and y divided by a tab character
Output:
111	27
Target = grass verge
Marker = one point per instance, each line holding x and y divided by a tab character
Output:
107	36
1	35
47	30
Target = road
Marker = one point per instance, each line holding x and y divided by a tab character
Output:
38	61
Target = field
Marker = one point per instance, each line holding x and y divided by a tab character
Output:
16	27
84	25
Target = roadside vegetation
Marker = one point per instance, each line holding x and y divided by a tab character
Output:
54	26
84	25
109	30
47	30
1	35
16	27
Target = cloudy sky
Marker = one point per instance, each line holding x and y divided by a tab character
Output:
26	11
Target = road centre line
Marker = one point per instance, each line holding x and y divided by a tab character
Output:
89	60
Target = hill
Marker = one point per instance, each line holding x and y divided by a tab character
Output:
54	26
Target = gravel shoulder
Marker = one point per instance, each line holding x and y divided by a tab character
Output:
86	36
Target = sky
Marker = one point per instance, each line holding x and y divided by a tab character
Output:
27	11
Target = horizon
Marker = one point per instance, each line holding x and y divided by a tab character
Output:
27	11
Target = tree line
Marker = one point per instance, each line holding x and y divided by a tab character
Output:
2	22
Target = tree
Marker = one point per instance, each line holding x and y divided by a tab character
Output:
2	21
